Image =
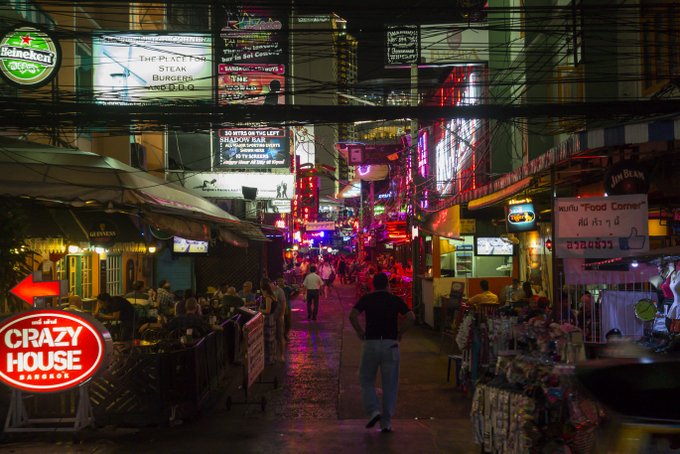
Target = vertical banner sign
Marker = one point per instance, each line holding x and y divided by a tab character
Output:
403	45
253	331
601	227
50	350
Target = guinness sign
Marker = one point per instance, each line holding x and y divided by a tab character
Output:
102	234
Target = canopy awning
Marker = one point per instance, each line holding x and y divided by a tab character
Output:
80	178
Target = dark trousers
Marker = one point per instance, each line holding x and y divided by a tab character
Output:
312	298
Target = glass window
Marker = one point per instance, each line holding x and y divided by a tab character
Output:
114	285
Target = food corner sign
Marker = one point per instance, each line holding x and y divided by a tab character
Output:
46	351
29	57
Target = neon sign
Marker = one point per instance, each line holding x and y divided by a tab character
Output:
50	350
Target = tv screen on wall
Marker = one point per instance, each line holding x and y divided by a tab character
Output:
492	246
185	246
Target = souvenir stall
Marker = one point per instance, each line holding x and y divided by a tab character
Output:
530	401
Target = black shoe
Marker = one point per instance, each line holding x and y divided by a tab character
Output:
386	430
374	420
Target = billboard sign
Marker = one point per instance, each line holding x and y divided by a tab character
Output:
252	84
252	148
229	185
304	144
453	44
29	57
402	43
601	227
152	68
49	350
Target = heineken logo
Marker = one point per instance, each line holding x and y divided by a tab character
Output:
28	57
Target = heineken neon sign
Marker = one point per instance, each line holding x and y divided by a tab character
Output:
28	57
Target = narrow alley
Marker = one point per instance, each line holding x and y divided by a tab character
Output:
315	408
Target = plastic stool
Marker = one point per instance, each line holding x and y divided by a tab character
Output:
459	361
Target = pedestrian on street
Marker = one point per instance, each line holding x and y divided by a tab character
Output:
380	348
312	284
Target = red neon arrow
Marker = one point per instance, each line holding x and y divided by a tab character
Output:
27	289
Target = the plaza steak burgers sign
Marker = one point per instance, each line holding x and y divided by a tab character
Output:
50	350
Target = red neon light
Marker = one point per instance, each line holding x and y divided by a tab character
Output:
49	350
28	289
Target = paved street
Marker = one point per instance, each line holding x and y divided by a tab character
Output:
316	407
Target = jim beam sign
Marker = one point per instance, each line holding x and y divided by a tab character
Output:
48	350
28	57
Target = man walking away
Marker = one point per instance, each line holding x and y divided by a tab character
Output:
380	348
312	284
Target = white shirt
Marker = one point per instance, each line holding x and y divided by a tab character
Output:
312	282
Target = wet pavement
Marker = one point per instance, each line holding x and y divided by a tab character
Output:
315	407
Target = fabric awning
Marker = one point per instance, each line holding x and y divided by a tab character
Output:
80	178
498	196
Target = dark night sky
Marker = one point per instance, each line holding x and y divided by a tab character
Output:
366	20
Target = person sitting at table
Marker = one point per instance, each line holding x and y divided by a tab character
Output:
116	308
138	295
485	297
165	299
75	304
180	306
190	320
247	293
229	302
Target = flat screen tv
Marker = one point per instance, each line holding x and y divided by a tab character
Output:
185	246
492	246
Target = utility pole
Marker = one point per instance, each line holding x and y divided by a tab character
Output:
413	157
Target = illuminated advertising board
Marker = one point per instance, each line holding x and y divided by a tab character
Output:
453	44
252	84
521	217
152	68
459	141
252	56
304	144
251	148
29	57
43	351
229	185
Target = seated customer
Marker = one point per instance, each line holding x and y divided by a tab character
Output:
190	320
75	304
116	308
138	295
485	297
247	293
229	302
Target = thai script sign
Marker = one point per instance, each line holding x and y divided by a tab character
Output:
28	57
49	350
601	227
253	332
